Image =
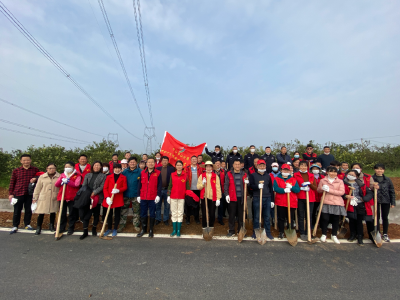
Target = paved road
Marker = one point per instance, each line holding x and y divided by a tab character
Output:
130	268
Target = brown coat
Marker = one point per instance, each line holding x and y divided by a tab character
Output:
46	194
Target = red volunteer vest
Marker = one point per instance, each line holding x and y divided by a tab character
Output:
85	171
368	205
70	191
149	185
109	184
252	170
222	179
318	196
300	181
281	199
213	182
178	190
232	185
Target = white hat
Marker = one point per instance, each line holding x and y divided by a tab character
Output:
124	161
209	163
274	164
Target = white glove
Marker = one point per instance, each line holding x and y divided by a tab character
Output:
272	204
204	180
306	189
353	201
305	183
206	145
217	203
64	181
288	185
109	201
33	207
14	201
138	199
261	186
157	199
325	188
246	181
169	200
287	190
228	199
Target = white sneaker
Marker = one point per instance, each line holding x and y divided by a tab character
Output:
329	226
335	239
323	238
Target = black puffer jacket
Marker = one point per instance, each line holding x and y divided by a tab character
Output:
386	193
231	158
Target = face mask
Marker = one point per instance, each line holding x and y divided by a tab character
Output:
285	175
344	170
350	177
275	169
358	170
216	152
234	151
105	169
218	169
68	170
315	171
296	156
303	171
261	171
157	158
252	150
327	153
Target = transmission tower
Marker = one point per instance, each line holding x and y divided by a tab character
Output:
113	137
149	134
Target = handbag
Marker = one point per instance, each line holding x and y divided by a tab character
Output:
82	197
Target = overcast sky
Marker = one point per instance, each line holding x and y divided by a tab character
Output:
226	72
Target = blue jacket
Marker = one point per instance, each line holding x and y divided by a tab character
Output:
132	178
283	159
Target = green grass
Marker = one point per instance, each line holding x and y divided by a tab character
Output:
388	173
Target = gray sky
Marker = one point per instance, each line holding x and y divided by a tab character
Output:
220	72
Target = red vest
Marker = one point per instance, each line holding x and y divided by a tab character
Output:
178	190
70	191
213	182
232	185
222	179
341	175
368	205
252	170
367	179
149	185
318	196
302	194
122	185
83	174
189	172
281	199
111	164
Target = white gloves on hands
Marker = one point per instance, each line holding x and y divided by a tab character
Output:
169	200
64	181
353	201
157	199
33	207
288	185
14	201
246	181
306	189
261	186
217	203
138	199
115	191
228	199
204	180
272	204
287	190
305	183
325	188
206	145
109	201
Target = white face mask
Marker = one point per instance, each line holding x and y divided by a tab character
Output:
315	171
234	151
350	177
303	171
157	158
216	152
261	171
275	169
344	170
252	150
358	170
218	169
105	169
327	153
285	175
68	170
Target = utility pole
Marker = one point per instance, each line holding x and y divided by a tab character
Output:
149	134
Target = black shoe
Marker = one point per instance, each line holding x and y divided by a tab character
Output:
230	234
197	222
85	234
281	236
38	230
51	227
221	222
70	232
144	227
151	233
360	240
166	223
188	221
352	237
94	231
157	222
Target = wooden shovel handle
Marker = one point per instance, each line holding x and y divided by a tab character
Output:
244	205
347	206
319	213
308	217
60	212
205	199
375	207
288	207
259	221
108	211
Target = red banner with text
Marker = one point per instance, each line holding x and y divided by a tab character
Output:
177	150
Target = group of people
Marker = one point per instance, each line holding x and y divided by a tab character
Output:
271	183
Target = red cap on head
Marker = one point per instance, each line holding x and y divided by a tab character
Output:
261	161
285	166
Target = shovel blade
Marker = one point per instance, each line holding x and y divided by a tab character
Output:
261	236
342	233
208	233
291	236
377	238
59	236
241	234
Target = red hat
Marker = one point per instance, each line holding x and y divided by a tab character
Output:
285	166
261	161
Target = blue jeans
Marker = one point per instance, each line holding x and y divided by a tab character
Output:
163	198
147	205
266	212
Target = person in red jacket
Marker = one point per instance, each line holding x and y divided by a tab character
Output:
71	181
178	185
158	160
117	202
114	160
309	156
308	184
150	186
82	168
224	205
315	170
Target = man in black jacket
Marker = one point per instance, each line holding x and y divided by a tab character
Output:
326	158
249	157
269	158
166	171
283	157
216	155
309	156
234	155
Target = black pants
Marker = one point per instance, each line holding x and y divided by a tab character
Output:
86	213
117	217
302	214
334	219
383	209
235	210
356	226
370	228
25	202
211	212
41	217
73	216
282	216
193	211
314	214
222	208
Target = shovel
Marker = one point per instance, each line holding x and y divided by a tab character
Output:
260	233
58	235
290	233
105	220
208	232
275	215
319	214
343	230
243	231
376	234
309	238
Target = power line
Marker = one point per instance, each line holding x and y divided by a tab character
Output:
31	128
39	47
375	137
31	134
15	105
103	10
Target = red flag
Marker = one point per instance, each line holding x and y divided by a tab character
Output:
176	150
